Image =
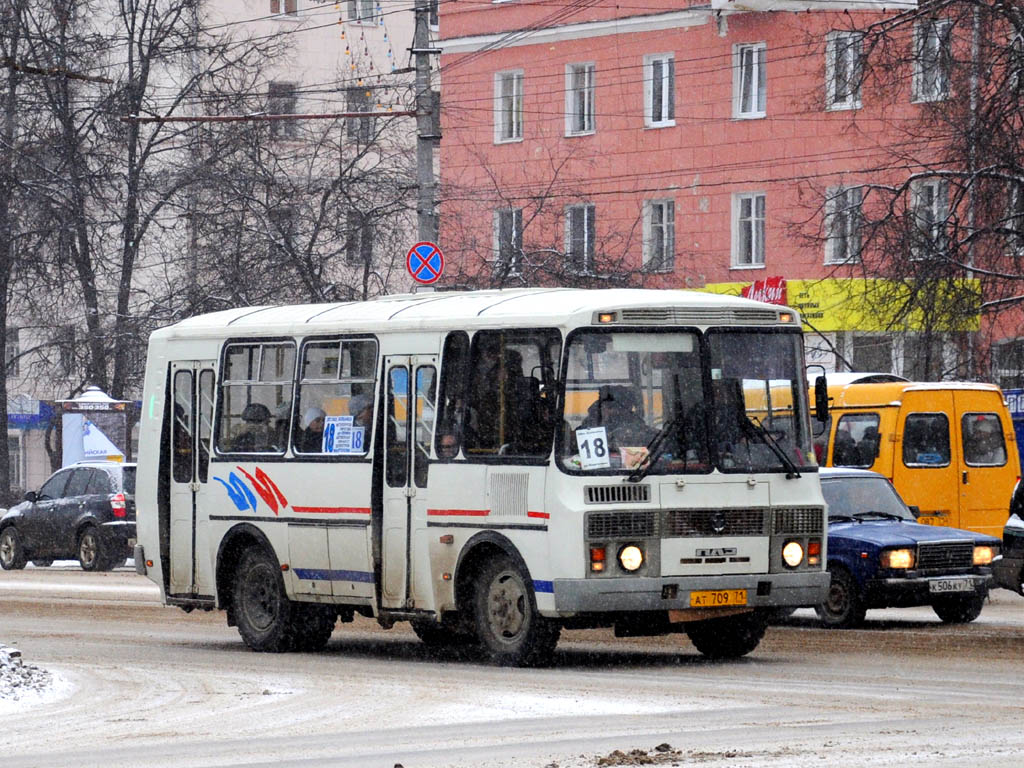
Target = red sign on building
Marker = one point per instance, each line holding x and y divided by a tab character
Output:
771	290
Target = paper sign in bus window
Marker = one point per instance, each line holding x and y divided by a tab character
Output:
592	445
341	436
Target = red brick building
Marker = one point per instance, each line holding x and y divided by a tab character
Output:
685	146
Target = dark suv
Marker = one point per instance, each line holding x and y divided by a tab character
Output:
85	511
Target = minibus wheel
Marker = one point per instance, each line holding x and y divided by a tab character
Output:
262	610
729	637
508	624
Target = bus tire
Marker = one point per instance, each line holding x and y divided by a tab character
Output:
959	610
508	624
12	553
729	637
313	626
262	610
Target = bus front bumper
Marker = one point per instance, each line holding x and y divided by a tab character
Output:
764	590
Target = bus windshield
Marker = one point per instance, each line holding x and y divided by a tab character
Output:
665	402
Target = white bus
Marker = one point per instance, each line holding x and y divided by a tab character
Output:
490	466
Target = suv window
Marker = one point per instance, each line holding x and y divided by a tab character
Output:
128	480
54	487
79	483
99	482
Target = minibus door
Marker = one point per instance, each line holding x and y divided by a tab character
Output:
927	458
988	469
192	386
408	434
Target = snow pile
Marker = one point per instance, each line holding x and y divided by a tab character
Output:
19	680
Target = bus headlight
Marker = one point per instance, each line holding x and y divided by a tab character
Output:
983	555
631	557
792	553
897	558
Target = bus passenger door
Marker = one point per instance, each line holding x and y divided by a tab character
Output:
192	385
409	412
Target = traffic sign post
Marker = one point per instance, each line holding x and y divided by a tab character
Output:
425	263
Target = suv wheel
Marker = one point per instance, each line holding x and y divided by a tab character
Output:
12	554
92	554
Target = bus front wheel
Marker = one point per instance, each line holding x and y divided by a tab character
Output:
729	637
262	610
508	624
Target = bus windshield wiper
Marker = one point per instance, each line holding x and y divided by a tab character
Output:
875	513
758	429
657	446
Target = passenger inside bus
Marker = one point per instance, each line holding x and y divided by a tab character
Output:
311	436
619	409
361	409
256	435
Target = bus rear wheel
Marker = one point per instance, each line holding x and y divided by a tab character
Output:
729	637
508	624
262	610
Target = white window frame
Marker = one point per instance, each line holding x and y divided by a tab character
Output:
659	228
932	36
843	212
755	74
515	261
666	105
843	57
756	230
931	195
580	98
357	12
16	459
589	213
12	354
508	104
282	11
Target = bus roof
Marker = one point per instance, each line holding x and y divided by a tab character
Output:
487	309
891	393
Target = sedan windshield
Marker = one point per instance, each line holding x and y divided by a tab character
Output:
861	497
664	402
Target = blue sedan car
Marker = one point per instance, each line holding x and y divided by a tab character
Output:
879	556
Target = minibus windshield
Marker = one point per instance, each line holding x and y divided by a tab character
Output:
661	402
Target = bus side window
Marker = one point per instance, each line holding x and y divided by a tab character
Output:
206	396
426	391
452	400
181	456
926	440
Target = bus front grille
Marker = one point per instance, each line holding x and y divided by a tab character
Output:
616	494
617	525
944	556
808	521
716	522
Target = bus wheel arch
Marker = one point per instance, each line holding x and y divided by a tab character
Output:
229	556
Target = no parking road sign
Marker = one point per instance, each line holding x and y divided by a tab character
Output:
425	263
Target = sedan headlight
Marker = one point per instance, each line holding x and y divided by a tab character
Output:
792	553
983	555
631	557
898	558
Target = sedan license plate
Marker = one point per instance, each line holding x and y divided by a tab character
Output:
713	598
951	585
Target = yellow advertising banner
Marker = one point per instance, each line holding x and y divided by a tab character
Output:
851	304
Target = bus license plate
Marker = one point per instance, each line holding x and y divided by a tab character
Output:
951	585
713	598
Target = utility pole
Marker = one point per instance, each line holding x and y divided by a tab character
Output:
425	136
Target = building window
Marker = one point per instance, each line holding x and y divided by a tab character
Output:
924	357
509	240
579	235
508	106
282	223
1014	224
287	7
749	88
872	353
842	225
659	235
359	128
748	229
15	462
281	100
932	59
432	18
659	90
843	70
362	11
1008	363
930	208
579	99
359	243
12	352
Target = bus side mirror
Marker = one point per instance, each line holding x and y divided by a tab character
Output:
821	399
